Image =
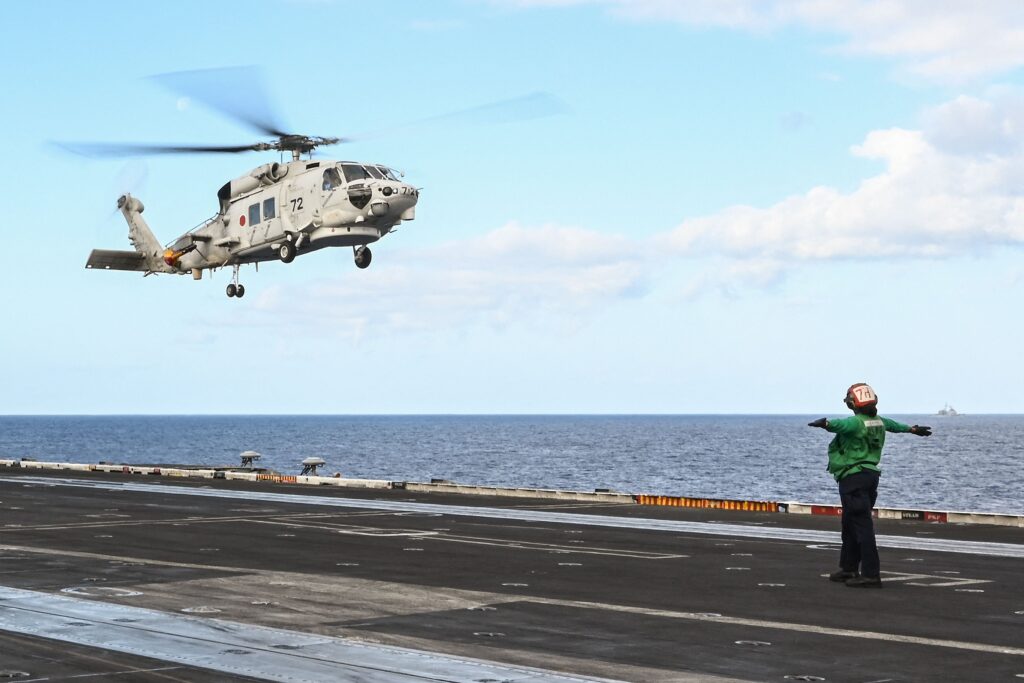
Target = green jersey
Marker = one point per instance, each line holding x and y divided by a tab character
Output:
858	443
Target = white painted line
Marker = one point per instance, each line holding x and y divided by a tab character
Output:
933	580
1012	550
382	532
690	616
348	529
786	626
554	547
259	652
117	673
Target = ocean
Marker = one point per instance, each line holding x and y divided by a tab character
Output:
972	463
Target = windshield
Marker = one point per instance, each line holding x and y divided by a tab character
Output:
332	178
354	172
388	173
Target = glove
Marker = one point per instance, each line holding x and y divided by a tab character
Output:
820	423
921	431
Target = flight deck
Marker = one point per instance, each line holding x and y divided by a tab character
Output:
126	577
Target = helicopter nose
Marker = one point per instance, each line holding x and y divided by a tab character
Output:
412	197
398	201
400	191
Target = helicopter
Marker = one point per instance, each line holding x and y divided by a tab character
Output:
275	212
279	210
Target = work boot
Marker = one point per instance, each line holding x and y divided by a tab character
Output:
842	575
864	582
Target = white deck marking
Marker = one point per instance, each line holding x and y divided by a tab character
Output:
174	521
1013	550
475	540
259	652
787	626
555	547
118	673
936	582
497	599
350	530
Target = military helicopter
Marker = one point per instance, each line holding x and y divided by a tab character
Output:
277	211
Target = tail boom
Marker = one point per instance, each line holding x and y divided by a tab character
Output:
149	256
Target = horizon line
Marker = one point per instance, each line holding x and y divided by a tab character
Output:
487	414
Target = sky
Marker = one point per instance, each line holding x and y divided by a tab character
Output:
738	206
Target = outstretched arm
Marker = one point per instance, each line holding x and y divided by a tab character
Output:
900	428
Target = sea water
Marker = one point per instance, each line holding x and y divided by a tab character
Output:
973	462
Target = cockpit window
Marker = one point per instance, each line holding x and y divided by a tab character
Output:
372	170
332	178
388	173
354	172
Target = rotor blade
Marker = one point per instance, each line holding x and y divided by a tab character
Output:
238	92
130	179
533	106
126	150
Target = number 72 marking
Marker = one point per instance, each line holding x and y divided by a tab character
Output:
297	204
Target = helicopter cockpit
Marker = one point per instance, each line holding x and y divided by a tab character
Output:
353	175
356	172
332	179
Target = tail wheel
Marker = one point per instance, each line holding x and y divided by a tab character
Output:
240	291
232	290
363	256
287	252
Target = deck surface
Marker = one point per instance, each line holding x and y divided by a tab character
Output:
132	578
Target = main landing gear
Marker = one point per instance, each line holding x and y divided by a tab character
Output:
363	256
235	288
287	252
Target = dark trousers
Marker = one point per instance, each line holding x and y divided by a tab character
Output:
858	493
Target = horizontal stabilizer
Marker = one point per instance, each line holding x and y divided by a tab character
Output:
105	259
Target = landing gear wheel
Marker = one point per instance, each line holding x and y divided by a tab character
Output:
240	291
287	252
363	256
232	290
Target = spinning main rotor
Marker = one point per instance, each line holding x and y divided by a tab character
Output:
240	94
219	89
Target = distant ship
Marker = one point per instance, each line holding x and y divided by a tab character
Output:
948	410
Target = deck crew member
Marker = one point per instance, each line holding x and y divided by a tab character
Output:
853	458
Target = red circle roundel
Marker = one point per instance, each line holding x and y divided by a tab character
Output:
241	220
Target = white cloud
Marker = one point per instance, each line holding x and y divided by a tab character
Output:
549	245
969	125
937	196
730	278
942	41
510	273
956	187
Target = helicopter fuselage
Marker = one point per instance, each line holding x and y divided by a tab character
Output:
275	212
302	206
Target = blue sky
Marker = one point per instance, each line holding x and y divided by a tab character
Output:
744	206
